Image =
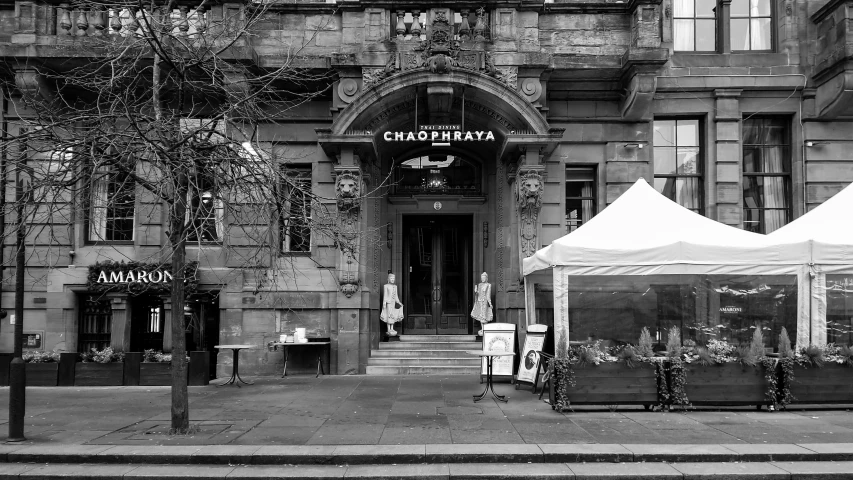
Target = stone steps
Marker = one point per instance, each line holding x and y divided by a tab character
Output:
426	355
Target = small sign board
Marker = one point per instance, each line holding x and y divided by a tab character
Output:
500	337
33	340
528	365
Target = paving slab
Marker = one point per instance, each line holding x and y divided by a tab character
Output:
457	453
769	452
499	471
681	453
817	470
10	471
408	472
592	452
731	471
293	472
624	471
831	451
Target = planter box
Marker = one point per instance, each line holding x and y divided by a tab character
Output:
727	384
832	383
99	374
42	374
152	374
614	384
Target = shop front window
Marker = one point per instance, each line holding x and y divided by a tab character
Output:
94	326
614	309
436	175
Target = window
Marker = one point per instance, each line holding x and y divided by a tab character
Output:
436	175
580	196
296	214
678	162
94	327
766	174
751	25
205	214
694	26
112	200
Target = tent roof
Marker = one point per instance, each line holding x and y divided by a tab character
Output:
828	227
644	228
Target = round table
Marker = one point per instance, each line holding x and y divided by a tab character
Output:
489	356
235	364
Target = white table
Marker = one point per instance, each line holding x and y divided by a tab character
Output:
236	363
489	356
286	345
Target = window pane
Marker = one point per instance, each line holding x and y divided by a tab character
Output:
753	189
683	40
687	133
760	33
664	160
739	8
740	34
706	35
687	192
688	160
752	220
705	8
666	186
683	8
759	8
664	133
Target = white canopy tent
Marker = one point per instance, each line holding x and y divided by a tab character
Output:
828	231
645	233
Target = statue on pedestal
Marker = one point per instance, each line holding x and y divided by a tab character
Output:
392	309
482	311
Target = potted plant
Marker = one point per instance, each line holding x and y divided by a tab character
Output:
561	375
42	368
156	368
820	374
719	373
100	368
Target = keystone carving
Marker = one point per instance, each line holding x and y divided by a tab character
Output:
529	202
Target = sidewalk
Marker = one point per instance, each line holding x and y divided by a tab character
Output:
427	426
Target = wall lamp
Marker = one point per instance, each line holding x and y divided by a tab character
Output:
815	144
634	145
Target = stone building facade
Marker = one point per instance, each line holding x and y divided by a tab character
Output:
501	126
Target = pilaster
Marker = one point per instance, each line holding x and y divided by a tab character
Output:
120	322
727	160
167	323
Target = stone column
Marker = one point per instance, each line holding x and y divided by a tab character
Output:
167	323
727	185
120	323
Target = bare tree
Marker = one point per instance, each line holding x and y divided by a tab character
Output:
162	103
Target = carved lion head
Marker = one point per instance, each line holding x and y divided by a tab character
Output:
347	189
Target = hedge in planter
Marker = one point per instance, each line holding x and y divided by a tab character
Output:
42	368
821	375
100	368
154	368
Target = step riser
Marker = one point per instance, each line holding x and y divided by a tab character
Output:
421	370
430	346
427	362
425	354
438	338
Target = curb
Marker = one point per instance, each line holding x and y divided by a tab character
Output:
420	454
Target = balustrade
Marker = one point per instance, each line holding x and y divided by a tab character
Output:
468	24
102	20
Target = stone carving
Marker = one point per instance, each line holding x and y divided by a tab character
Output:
529	202
372	76
532	89
508	75
348	195
348	89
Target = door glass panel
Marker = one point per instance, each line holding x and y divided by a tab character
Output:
453	266
420	277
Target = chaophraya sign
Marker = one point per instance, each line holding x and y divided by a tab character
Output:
440	133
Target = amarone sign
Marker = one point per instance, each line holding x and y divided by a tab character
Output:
140	276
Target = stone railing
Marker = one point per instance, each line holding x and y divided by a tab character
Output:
414	24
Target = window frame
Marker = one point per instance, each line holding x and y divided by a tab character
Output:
303	172
112	177
749	17
593	169
217	216
700	161
788	134
693	19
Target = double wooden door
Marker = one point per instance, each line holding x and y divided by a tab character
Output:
437	280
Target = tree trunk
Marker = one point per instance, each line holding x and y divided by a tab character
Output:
180	399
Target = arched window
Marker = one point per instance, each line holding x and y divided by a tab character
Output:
437	175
